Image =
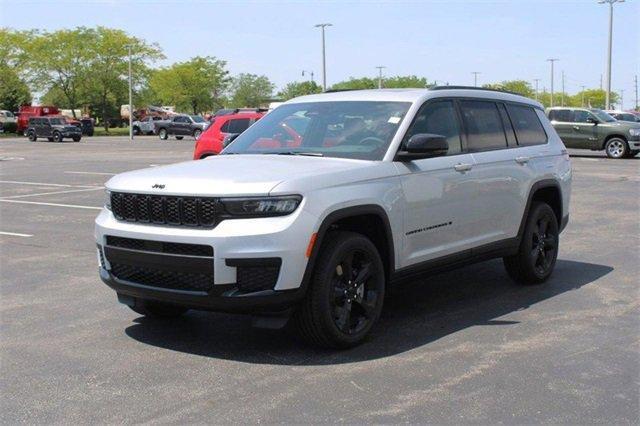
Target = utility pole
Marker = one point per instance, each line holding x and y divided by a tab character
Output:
582	102
475	78
128	46
380	68
324	56
552	60
600	81
635	80
537	80
622	99
562	94
308	72
610	45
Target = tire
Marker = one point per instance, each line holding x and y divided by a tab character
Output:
336	313
179	137
536	257
76	139
616	148
157	309
197	133
136	130
162	134
57	137
32	136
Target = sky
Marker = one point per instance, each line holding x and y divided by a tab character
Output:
440	40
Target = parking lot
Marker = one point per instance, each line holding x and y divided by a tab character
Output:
459	347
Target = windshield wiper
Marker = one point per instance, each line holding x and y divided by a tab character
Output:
309	154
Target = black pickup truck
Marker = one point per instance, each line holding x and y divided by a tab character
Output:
180	126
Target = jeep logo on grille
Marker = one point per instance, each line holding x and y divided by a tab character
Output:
158	186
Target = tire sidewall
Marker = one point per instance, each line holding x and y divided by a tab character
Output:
32	136
322	287
57	137
539	210
625	148
197	133
162	133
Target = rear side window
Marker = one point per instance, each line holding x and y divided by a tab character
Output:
527	125
564	115
239	125
483	126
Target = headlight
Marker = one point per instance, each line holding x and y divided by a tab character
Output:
107	199
260	207
634	132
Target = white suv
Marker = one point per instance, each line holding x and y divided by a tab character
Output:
314	211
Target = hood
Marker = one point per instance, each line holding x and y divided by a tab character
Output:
625	125
243	175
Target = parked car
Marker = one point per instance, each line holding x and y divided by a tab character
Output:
54	128
624	116
211	142
385	185
180	126
145	126
594	129
7	116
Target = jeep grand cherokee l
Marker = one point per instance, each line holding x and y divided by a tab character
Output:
383	185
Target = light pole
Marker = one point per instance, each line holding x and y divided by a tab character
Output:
324	56
536	80
380	68
128	46
308	72
552	60
610	2
562	94
475	78
622	99
582	103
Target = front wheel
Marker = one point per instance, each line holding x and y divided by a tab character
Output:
616	148
162	134
536	257
157	309
346	292
197	133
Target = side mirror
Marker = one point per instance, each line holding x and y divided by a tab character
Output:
592	120
229	138
424	145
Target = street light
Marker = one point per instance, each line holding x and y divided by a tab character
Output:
128	46
308	72
324	58
552	60
475	78
610	2
380	68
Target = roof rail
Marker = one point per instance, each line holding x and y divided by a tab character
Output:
342	90
472	88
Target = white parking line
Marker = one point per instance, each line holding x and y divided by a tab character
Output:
73	206
15	234
51	193
46	184
91	173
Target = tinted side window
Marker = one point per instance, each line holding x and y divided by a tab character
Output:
225	127
581	116
483	126
564	115
527	125
508	128
438	118
239	125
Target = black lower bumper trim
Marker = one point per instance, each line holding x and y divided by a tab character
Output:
223	298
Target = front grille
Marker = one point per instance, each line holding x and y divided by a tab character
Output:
166	210
160	246
163	279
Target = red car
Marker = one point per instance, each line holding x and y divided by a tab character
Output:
210	141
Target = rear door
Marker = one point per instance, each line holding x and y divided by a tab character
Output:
563	120
501	172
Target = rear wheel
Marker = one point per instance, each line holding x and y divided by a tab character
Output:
157	309
57	137
538	251
136	130
346	293
616	148
32	136
162	134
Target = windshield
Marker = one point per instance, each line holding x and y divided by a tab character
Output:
197	119
603	116
346	129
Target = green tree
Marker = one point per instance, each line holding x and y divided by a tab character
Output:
195	85
594	98
250	90
13	91
521	87
356	83
299	88
406	81
14	47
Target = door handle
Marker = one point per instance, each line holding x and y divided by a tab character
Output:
522	160
463	167
576	127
